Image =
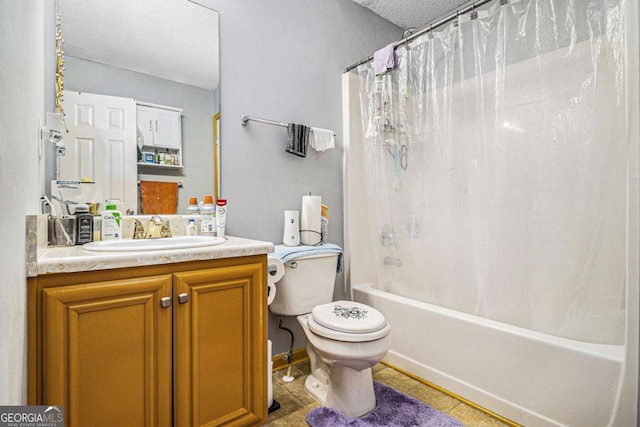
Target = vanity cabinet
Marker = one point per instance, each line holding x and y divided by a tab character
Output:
176	344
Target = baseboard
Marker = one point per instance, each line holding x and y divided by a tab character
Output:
280	360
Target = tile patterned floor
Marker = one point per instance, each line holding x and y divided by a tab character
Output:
296	402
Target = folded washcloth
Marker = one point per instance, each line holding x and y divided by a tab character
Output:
322	139
297	139
384	59
288	253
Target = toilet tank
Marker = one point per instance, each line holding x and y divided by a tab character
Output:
307	282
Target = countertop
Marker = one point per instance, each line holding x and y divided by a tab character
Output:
74	259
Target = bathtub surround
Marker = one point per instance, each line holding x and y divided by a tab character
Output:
393	408
506	366
513	171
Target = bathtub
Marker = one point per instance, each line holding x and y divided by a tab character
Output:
528	377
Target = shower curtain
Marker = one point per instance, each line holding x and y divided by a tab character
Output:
496	156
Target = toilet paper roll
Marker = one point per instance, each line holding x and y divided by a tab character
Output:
275	269
310	220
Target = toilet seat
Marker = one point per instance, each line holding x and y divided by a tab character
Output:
348	321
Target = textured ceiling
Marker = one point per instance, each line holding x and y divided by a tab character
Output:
174	40
411	13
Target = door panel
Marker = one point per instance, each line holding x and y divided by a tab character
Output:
101	145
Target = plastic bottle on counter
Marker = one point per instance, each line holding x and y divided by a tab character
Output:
208	217
111	223
191	229
193	208
221	216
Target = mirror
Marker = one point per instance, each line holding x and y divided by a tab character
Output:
154	53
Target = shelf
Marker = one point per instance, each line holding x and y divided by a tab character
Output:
153	148
153	165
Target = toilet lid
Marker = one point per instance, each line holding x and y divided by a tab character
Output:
332	334
349	316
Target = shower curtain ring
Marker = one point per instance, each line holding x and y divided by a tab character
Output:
404	157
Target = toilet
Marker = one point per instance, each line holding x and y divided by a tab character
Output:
344	338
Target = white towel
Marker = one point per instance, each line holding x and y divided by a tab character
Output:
322	139
384	59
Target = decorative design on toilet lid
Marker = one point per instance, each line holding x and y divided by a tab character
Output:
354	312
348	316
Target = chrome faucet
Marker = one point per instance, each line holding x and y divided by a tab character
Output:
157	228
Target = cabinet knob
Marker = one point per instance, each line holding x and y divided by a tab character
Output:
183	298
165	302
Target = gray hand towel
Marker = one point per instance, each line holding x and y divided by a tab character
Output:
297	139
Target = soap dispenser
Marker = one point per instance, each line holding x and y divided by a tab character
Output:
111	224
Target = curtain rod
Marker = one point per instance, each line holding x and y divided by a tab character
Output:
428	28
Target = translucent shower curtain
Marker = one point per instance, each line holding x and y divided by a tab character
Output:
496	161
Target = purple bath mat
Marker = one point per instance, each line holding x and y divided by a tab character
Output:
393	409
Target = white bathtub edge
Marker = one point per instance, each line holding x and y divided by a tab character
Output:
525	376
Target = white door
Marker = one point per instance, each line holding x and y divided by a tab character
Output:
101	145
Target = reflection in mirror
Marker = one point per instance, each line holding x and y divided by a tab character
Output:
141	92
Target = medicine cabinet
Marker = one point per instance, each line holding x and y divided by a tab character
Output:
159	135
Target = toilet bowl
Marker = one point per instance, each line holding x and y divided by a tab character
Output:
341	360
344	338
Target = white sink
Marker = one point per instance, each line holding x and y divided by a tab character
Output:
179	242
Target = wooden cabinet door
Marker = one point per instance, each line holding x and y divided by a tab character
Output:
107	352
220	346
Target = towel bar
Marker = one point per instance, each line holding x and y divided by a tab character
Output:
246	119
